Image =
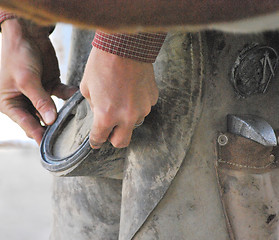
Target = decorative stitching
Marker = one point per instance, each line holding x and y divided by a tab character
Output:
244	166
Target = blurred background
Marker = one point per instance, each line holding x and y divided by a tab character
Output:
25	186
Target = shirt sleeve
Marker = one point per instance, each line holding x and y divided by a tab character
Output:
142	47
5	15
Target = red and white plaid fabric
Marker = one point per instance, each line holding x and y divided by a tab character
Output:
142	47
5	15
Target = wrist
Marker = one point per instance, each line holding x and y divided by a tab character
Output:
113	61
11	29
16	29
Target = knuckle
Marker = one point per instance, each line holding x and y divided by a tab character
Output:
119	144
41	104
146	111
95	138
98	136
106	121
95	144
130	117
31	133
103	118
130	121
154	100
28	135
121	139
134	116
84	90
106	109
154	97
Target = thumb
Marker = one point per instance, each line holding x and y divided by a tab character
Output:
40	99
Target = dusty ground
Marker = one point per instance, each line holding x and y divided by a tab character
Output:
25	195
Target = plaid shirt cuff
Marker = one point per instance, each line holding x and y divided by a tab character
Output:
142	47
5	15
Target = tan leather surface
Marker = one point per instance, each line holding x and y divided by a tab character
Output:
243	154
139	13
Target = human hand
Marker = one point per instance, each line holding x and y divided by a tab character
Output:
29	76
120	92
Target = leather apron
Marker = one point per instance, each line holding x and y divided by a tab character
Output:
180	179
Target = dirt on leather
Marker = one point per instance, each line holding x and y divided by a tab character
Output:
139	14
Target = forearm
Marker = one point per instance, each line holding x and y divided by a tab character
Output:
140	13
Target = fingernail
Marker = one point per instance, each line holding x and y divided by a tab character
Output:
49	117
95	145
